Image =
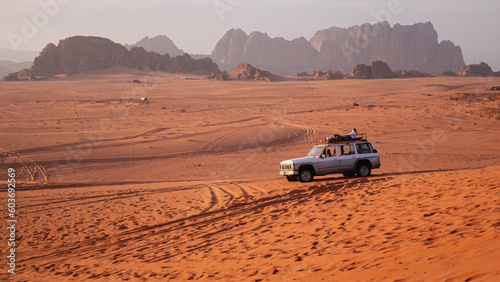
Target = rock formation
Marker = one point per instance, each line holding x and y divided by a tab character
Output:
376	70
219	76
329	75
160	44
274	54
402	47
481	69
22	75
304	73
379	69
410	74
361	71
81	53
448	73
414	47
245	71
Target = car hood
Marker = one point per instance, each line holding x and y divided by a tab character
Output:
299	160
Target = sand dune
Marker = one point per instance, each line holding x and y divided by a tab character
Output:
185	185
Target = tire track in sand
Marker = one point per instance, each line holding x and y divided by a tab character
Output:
198	231
30	170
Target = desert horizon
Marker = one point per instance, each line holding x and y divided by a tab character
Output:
185	184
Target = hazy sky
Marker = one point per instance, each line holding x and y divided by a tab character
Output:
196	25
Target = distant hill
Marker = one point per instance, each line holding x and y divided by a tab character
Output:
413	47
7	67
160	44
17	56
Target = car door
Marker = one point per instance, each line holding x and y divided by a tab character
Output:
347	157
328	163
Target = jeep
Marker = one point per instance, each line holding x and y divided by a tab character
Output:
349	157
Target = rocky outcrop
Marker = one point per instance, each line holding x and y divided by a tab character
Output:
449	74
414	47
301	74
219	76
481	69
376	70
277	55
361	71
22	75
80	54
329	75
410	74
244	71
379	69
160	44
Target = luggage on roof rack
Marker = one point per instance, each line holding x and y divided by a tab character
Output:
333	139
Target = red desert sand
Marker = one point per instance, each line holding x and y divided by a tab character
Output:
185	185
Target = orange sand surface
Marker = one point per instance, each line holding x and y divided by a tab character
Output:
186	185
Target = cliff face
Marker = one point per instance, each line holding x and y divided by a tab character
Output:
160	44
414	47
274	54
82	53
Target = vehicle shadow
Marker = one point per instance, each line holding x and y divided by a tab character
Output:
334	178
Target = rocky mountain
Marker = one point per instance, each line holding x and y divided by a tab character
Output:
160	44
414	47
274	54
86	53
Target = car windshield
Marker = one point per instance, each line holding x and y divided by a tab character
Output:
315	151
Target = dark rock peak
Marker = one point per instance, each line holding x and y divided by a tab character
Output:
160	44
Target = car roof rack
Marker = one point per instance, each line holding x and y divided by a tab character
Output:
336	140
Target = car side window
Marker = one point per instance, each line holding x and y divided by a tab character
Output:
328	152
332	151
364	148
346	150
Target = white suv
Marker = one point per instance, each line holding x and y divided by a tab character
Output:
342	156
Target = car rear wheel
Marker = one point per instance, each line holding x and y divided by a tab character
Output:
350	174
364	170
306	175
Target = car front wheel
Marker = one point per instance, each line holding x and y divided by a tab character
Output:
291	178
306	175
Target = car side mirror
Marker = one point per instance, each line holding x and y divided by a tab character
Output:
375	150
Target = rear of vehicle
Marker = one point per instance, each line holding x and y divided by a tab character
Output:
367	158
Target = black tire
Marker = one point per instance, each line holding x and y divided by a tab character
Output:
306	175
364	170
291	178
350	174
